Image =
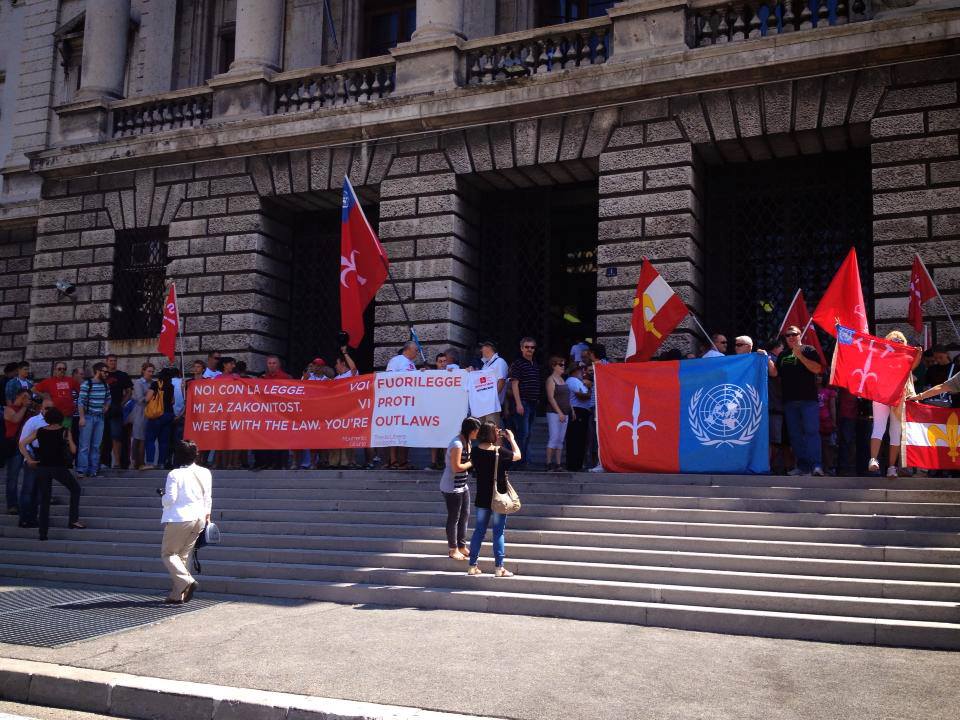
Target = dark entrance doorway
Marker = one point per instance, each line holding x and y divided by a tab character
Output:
538	266
779	225
315	292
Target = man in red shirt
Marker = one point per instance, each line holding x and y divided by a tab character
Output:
61	389
272	459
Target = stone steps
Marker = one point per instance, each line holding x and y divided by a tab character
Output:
871	560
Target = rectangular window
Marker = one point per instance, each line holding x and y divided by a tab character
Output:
556	12
386	24
139	270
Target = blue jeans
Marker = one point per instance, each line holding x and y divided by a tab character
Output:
28	495
480	529
91	435
803	424
158	438
13	465
523	427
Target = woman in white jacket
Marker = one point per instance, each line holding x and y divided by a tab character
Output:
187	500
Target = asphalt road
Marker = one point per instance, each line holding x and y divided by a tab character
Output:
522	667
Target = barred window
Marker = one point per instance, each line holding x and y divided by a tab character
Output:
139	270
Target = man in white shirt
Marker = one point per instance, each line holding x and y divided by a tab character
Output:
581	403
213	365
27	502
720	346
344	365
405	361
493	362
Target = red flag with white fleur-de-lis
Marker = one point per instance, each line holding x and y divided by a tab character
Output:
170	327
870	367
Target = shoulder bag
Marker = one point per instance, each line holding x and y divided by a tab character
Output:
506	503
154	408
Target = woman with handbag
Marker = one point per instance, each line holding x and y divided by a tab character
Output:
187	501
54	456
453	485
492	458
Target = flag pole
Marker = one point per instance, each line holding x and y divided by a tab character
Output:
403	307
956	333
705	333
789	308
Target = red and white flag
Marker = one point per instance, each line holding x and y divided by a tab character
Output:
657	310
842	303
363	265
921	290
799	315
871	367
931	437
170	327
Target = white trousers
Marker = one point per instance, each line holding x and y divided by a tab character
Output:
558	430
881	413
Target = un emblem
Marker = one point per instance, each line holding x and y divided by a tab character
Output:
725	415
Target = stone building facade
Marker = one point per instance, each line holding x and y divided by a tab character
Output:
519	164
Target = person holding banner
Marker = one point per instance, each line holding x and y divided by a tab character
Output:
453	485
884	415
951	386
492	459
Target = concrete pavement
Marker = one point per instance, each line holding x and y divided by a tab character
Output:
522	667
19	711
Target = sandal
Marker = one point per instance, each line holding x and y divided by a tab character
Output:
455	554
502	572
474	570
77	526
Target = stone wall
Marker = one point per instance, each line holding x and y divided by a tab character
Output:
16	264
916	184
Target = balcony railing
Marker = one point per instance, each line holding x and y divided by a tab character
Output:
170	111
348	83
536	52
713	23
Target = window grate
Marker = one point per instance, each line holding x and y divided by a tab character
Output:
138	283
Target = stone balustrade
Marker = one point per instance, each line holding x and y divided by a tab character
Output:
348	83
712	23
539	51
169	111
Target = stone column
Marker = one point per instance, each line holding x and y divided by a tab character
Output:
438	19
430	62
259	36
105	34
642	28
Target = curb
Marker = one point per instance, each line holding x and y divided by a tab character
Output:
147	698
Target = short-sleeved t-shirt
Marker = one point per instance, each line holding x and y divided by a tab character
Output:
498	365
527	374
61	390
118	381
401	363
451	482
796	382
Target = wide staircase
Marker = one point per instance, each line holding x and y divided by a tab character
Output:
858	560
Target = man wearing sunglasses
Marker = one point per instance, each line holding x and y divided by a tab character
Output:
62	389
798	366
525	389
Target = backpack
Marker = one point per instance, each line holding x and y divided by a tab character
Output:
155	407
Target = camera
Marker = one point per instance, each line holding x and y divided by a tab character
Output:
343	338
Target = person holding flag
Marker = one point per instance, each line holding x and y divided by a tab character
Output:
890	417
798	367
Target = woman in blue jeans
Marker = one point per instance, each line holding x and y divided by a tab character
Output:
491	459
158	429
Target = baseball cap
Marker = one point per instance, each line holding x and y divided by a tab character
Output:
318	361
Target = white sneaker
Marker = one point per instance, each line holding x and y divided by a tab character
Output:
795	472
873	465
892	471
818	471
598	468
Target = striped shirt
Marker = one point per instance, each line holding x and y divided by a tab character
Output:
528	375
94	395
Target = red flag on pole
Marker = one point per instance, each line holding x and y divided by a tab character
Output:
871	367
798	315
363	265
657	310
842	303
921	290
170	327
